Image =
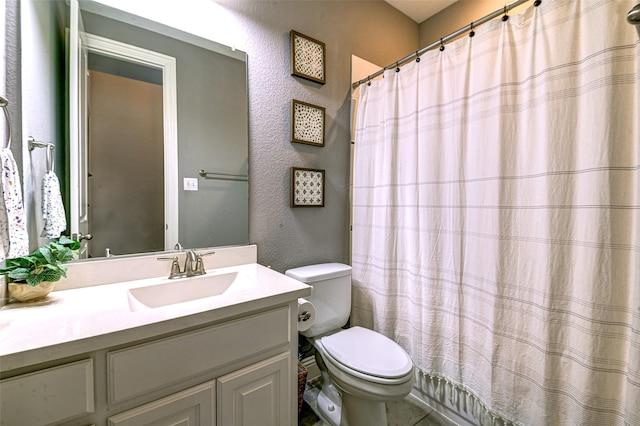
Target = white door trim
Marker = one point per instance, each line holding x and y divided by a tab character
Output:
167	64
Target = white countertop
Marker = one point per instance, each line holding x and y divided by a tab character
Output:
81	320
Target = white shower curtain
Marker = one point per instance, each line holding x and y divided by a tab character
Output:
496	216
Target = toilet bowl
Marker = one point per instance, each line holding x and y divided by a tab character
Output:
367	369
361	369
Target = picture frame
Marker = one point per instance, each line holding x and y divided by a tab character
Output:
307	123
308	58
307	187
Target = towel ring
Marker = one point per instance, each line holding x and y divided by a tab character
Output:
32	143
3	103
50	164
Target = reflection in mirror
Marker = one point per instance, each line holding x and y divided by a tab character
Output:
126	176
125	107
131	106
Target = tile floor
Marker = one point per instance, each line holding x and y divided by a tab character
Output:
399	413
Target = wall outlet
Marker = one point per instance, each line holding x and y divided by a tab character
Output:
190	184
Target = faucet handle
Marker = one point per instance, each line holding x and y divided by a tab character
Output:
199	270
175	267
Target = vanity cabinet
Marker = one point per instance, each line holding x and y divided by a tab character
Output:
255	395
91	358
259	389
141	369
231	372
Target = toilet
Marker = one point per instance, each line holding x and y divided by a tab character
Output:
361	369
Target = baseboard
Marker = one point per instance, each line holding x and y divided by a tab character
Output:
313	372
426	402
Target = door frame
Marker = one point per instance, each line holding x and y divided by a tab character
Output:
167	64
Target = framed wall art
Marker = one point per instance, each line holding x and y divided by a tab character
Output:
307	123
307	58
307	187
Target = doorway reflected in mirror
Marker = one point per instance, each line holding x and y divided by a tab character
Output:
126	162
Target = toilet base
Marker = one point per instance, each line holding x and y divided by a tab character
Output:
348	410
330	405
363	412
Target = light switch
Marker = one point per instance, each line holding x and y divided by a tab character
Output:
190	184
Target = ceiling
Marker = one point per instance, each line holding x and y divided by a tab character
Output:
419	10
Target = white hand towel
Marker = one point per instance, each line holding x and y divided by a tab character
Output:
55	222
13	223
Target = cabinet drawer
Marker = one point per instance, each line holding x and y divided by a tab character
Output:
147	367
48	396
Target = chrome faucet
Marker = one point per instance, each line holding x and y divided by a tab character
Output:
193	264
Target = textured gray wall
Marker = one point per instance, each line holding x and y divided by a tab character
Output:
372	30
12	84
37	78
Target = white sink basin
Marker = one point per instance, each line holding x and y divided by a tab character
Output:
179	291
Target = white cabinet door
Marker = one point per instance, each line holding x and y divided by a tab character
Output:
194	406
257	395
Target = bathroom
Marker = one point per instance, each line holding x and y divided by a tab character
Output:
286	238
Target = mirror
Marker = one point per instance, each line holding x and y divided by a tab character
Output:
203	178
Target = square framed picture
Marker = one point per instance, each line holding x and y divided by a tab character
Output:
307	187
307	123
307	58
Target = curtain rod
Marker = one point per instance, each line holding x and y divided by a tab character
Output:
443	40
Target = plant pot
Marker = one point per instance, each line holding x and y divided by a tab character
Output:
26	293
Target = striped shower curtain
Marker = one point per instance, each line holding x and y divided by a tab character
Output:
496	216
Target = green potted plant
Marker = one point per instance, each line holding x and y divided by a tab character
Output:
32	277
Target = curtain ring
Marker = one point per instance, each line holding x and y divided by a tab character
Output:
369	82
505	17
417	56
397	67
441	46
472	33
537	3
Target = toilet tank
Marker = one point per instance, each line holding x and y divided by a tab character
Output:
330	294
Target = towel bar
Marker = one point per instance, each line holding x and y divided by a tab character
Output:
223	176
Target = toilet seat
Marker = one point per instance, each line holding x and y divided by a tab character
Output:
367	354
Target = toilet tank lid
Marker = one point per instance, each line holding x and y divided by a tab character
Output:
323	271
